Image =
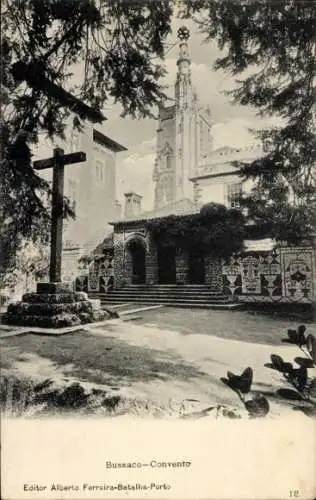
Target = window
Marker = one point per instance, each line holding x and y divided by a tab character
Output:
72	193
168	189
168	160
75	141
201	135
234	194
267	145
209	135
100	171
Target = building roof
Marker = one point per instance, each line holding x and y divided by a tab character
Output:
179	208
142	220
103	140
132	193
228	154
226	161
166	111
106	244
97	251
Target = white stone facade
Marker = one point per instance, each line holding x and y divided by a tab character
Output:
218	179
90	186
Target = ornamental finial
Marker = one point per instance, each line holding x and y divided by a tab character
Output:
183	33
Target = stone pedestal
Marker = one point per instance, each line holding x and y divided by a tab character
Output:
54	305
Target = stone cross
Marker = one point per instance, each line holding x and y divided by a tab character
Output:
57	163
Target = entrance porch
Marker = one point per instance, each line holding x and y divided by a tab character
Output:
138	260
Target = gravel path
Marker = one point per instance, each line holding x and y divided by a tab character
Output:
162	366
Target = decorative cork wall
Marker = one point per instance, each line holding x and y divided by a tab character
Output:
284	275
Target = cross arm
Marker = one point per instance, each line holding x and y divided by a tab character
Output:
68	159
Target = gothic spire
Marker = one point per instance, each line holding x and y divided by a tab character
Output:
183	61
183	88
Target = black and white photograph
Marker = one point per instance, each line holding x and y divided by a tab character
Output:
158	249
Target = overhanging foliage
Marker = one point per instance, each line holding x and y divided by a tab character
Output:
270	45
215	230
116	49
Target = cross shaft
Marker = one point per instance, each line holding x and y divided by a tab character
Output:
57	162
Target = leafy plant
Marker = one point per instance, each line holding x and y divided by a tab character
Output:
304	387
31	263
256	405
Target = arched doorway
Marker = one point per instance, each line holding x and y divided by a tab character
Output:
137	253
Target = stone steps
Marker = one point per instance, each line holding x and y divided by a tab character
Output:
162	299
167	288
160	293
191	305
198	296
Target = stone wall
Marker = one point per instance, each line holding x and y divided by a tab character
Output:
151	261
101	274
284	275
128	267
120	277
181	267
213	273
98	276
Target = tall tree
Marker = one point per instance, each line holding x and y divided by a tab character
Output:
116	45
275	42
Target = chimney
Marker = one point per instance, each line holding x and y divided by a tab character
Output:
133	204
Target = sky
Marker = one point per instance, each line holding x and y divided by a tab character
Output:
230	122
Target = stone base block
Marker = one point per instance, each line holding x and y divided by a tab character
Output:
54	321
49	309
54	288
54	307
54	298
95	304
